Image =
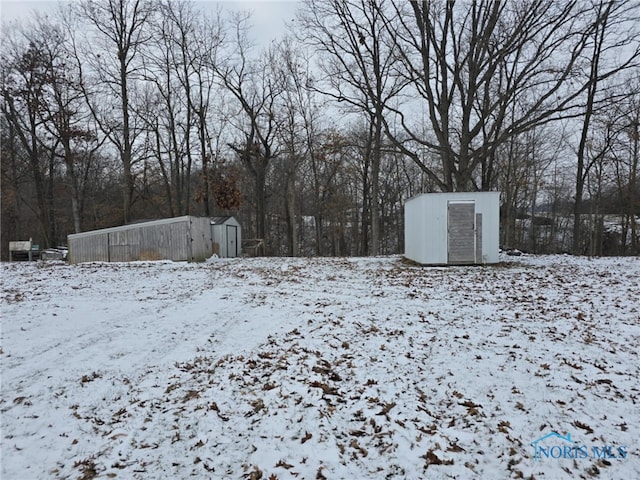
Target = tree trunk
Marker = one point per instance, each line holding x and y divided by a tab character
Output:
592	88
375	182
290	207
125	154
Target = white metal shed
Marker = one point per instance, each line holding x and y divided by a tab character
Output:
460	228
227	236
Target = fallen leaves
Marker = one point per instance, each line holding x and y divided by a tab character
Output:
582	426
257	406
433	459
356	446
472	408
504	426
386	408
190	395
283	464
254	474
90	378
326	389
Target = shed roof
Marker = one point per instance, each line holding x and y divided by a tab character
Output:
220	219
454	195
131	226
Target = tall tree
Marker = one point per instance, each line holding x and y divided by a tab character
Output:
359	60
67	118
300	112
25	84
256	92
625	156
119	29
484	72
167	111
614	46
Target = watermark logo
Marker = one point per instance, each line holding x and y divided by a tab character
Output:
556	446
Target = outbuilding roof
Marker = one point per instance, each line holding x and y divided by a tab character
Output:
220	219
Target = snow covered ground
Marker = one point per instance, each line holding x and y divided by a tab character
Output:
321	368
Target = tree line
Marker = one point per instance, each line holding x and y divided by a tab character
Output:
115	111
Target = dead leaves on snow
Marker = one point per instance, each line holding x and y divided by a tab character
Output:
433	459
326	389
583	426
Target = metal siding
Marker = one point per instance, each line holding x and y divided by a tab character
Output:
179	242
222	235
436	227
239	236
89	249
162	241
154	243
425	230
121	248
217	237
200	238
234	223
412	230
491	228
479	258
461	232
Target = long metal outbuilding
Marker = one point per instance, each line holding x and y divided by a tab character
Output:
185	238
460	228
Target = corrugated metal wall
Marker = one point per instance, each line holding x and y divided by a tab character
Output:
85	248
200	237
178	239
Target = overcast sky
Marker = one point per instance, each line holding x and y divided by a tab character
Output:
269	16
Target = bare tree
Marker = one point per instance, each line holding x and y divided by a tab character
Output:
299	135
183	72
204	54
485	72
119	30
166	110
625	156
614	47
256	92
359	61
67	118
25	86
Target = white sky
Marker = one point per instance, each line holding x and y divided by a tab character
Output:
269	16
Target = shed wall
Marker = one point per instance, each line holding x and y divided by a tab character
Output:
201	246
93	248
488	204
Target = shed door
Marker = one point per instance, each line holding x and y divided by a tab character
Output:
461	243
232	241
